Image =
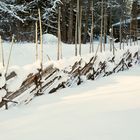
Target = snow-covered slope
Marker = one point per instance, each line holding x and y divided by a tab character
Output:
106	109
23	61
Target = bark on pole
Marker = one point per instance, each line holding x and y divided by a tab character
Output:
76	36
92	27
130	31
111	40
2	54
110	28
9	56
36	40
101	36
113	46
80	25
59	36
61	52
76	29
105	23
41	40
136	30
70	26
120	33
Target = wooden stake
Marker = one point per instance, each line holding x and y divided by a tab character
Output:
120	33
36	38
76	36
2	53
59	35
9	56
101	36
130	31
105	22
92	26
80	25
113	43
76	28
48	57
41	52
110	28
41	40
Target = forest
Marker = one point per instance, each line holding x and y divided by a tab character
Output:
87	17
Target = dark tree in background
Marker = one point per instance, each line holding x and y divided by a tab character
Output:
135	12
18	17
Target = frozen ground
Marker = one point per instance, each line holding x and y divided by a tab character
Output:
24	53
105	109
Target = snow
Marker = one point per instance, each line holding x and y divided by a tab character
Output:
2	80
22	73
125	21
106	109
23	61
25	53
2	94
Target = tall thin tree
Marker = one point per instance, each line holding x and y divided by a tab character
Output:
76	28
120	32
36	39
101	34
92	28
80	28
8	62
105	23
2	53
59	53
41	40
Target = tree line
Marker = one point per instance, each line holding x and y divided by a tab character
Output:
18	17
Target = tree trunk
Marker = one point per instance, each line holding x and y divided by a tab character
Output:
87	13
70	27
64	27
101	36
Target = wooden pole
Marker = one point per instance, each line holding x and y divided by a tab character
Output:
76	36
92	27
113	43
41	53
120	33
36	39
41	40
80	26
9	56
61	51
105	22
2	53
110	28
130	29
137	30
76	30
101	36
59	35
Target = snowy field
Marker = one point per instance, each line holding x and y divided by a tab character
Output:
106	109
25	53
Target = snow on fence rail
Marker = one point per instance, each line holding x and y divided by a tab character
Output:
52	79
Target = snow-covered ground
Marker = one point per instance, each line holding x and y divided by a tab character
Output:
25	53
105	109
